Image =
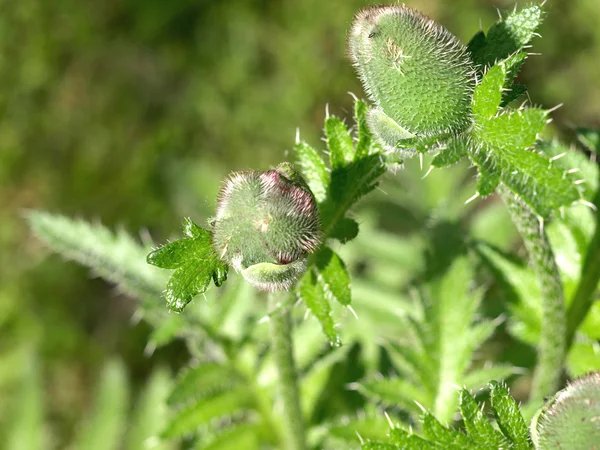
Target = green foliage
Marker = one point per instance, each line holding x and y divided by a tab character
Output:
444	334
195	262
114	256
513	32
501	148
478	434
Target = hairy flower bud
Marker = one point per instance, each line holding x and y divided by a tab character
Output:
571	419
266	224
418	74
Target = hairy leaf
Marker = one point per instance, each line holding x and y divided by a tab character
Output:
333	276
314	170
114	256
189	419
312	292
507	36
195	263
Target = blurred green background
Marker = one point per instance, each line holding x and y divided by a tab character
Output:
131	112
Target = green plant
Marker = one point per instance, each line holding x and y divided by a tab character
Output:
282	231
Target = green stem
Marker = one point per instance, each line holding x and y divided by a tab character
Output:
583	299
552	345
283	353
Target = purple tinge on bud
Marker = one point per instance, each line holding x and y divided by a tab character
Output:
268	218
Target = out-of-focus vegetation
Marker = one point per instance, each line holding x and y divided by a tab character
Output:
133	111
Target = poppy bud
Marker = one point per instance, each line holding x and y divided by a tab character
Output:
571	419
418	74
266	223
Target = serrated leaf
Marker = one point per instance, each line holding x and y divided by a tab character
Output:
116	257
488	94
456	149
313	295
314	170
479	377
364	135
380	446
339	143
436	432
409	441
501	149
505	37
189	419
512	93
195	263
487	182
198	382
244	436
348	185
333	276
344	230
508	416
479	428
575	165
394	391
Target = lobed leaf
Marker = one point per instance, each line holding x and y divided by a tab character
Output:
501	151
512	33
508	416
116	257
339	143
311	291
201	381
314	170
333	276
478	426
189	419
195	263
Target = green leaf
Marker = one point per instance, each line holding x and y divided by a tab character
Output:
105	426
150	412
488	94
114	256
244	436
501	150
455	150
224	404
508	416
487	182
339	142
27	419
333	276
344	230
364	135
202	381
196	263
394	391
575	165
506	37
436	432
312	293
314	170
409	441
478	426
348	185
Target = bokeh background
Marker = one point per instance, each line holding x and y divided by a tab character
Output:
131	112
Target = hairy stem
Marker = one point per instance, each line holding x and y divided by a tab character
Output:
283	353
552	345
583	299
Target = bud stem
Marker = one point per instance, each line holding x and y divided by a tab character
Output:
552	344
283	353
